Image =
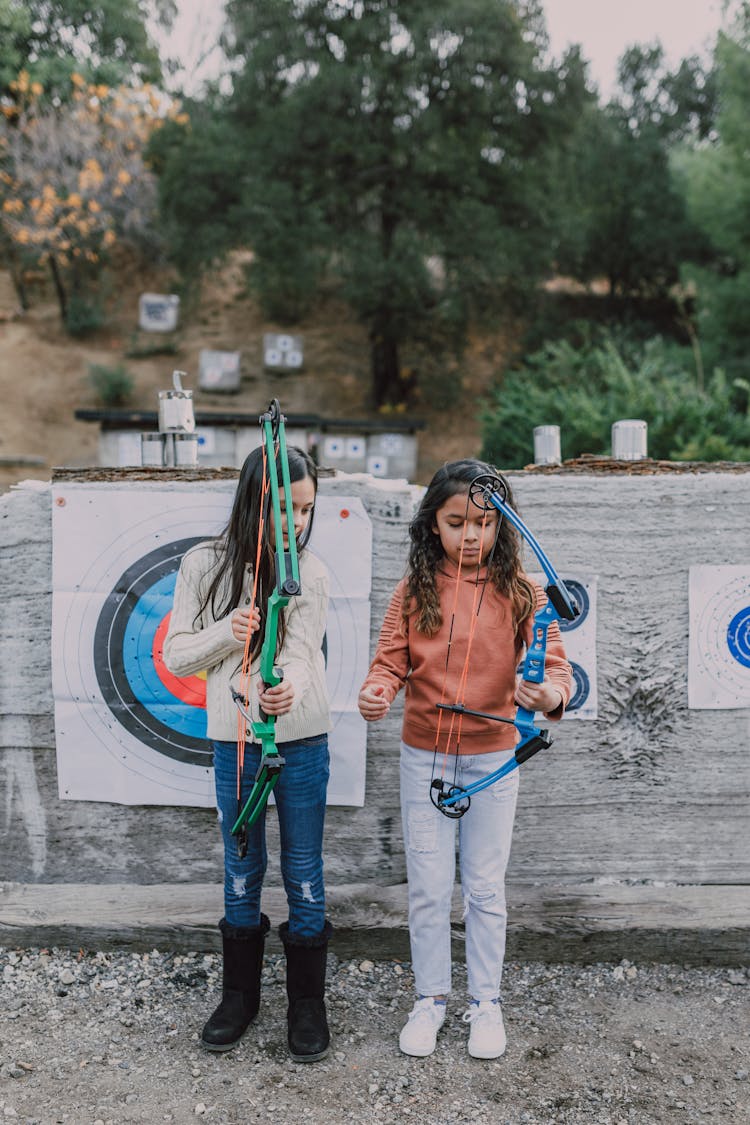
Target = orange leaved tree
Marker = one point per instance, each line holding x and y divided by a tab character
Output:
74	181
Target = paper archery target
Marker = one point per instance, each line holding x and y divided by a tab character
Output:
579	639
128	730
719	665
166	712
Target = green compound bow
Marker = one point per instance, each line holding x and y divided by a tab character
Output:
287	585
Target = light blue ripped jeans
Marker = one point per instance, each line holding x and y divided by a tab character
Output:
300	795
484	838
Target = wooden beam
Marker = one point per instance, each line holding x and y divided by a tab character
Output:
582	923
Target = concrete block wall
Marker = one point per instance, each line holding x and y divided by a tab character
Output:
651	792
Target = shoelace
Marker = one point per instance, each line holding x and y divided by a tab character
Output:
475	1012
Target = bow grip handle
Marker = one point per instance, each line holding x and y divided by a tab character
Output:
278	676
533	665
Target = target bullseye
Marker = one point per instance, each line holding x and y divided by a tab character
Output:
738	637
188	689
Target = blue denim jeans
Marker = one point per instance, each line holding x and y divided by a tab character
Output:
484	838
300	795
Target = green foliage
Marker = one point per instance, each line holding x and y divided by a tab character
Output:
585	389
622	215
15	29
716	182
83	315
202	171
721	318
288	258
113	385
107	42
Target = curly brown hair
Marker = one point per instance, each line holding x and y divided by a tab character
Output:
426	551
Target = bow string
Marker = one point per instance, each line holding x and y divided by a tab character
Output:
286	586
489	492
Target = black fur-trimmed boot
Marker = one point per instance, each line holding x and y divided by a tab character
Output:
240	994
308	1036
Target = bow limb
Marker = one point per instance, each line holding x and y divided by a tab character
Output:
287	585
556	590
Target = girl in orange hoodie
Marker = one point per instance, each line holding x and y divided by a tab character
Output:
464	592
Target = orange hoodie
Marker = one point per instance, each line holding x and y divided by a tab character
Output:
406	657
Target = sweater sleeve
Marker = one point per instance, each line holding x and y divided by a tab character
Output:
391	663
189	646
556	667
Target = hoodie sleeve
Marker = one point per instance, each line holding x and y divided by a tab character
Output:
391	663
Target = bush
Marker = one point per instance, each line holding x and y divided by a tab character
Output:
83	315
113	385
583	390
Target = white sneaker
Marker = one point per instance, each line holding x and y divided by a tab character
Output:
487	1036
419	1033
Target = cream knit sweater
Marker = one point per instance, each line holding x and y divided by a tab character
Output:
201	643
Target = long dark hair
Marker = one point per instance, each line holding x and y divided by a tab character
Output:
238	545
426	551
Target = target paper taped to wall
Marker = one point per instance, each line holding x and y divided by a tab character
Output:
719	652
126	729
579	638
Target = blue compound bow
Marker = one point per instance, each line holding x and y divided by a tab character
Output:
453	800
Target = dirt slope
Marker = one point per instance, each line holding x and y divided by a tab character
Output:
44	372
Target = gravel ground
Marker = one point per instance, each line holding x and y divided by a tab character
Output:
105	1039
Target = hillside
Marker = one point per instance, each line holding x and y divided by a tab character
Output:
44	372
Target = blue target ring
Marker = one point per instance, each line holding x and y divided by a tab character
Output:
738	637
138	644
581	688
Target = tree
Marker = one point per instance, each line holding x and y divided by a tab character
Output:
629	220
107	42
400	148
201	183
15	32
73	180
716	180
